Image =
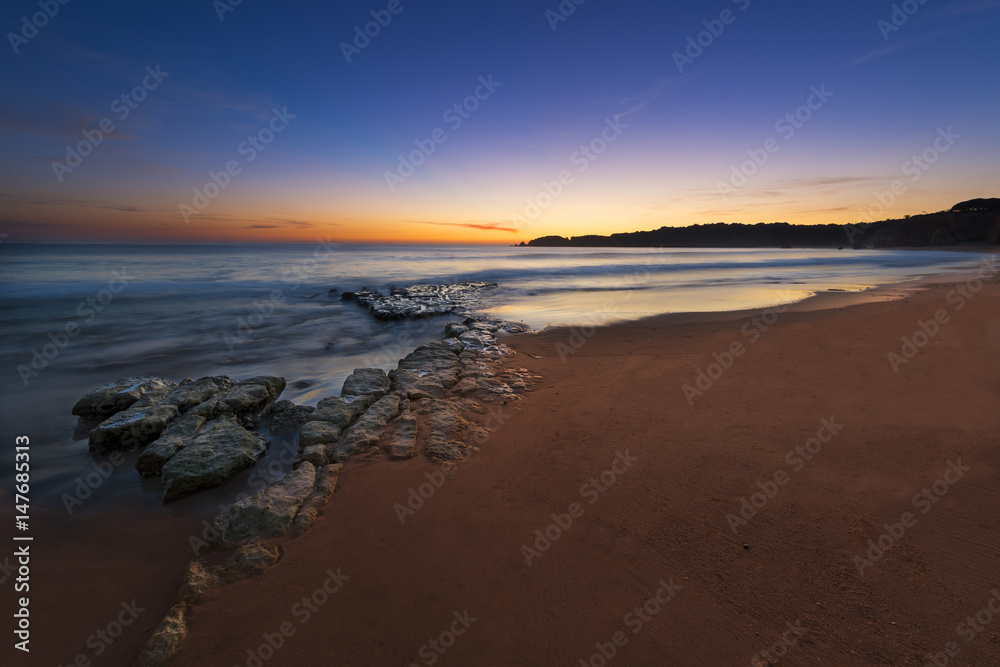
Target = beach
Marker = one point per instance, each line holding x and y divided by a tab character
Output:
684	489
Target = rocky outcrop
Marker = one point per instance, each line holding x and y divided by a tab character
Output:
420	300
285	416
451	434
131	428
366	382
327	478
190	393
171	441
104	401
402	444
364	435
269	512
166	640
215	453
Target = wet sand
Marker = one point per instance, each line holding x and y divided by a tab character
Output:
811	416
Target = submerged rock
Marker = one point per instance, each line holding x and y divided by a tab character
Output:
103	402
420	300
285	416
218	451
269	512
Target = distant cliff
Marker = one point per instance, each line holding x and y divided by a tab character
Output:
976	221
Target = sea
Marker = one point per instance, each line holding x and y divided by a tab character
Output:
76	316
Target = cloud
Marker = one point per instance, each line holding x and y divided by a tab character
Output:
638	102
905	44
472	224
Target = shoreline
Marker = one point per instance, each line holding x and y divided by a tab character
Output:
390	479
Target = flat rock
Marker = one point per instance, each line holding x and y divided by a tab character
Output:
403	442
218	451
364	435
166	640
419	301
131	428
327	478
366	382
284	416
173	439
416	385
314	454
318	433
270	512
252	558
106	400
190	393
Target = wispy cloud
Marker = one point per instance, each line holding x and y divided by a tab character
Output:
905	44
638	102
485	226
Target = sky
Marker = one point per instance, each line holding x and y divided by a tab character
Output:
486	122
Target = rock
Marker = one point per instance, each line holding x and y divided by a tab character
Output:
218	451
166	640
314	454
318	433
270	512
252	558
248	400
416	385
193	392
451	434
419	300
403	443
341	411
327	478
466	386
454	329
198	579
106	400
134	427
285	416
364	435
172	440
366	382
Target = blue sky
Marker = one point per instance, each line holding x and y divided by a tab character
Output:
324	174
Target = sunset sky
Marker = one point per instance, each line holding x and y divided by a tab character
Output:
664	130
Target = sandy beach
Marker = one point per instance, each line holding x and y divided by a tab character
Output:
765	487
812	415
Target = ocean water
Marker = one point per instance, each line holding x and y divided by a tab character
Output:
76	316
